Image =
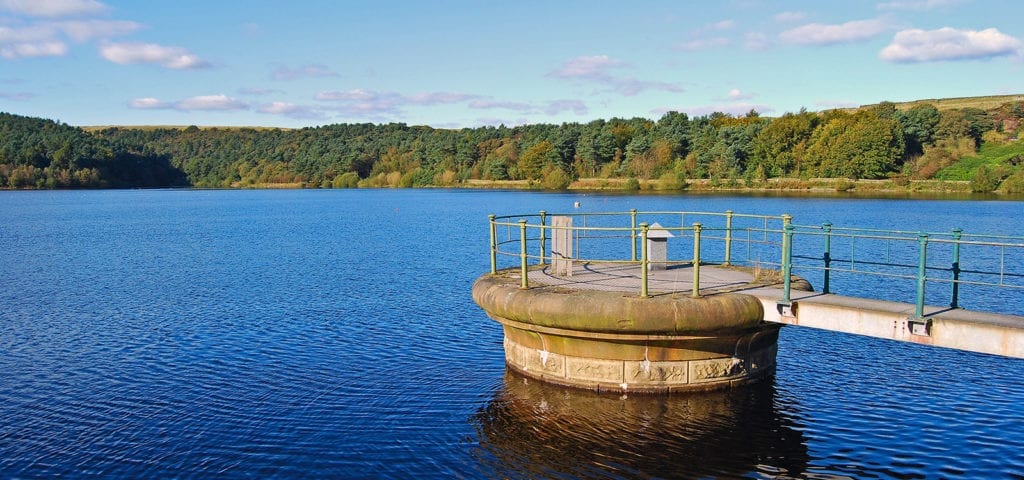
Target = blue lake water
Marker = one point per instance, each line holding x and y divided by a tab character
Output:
330	333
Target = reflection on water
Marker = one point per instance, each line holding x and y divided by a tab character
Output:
536	429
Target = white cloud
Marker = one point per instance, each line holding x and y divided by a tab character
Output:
822	34
219	102
292	110
45	39
53	8
736	94
30	41
148	103
38	49
171	57
915	45
210	102
310	70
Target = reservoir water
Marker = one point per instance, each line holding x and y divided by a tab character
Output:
330	333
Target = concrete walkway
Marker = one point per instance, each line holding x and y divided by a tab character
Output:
974	331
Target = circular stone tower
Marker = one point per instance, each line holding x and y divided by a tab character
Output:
618	341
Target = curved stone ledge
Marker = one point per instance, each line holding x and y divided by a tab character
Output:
615	341
616	312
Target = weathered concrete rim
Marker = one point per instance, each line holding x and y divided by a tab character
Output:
616	312
652	337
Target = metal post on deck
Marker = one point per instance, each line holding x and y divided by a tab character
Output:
643	259
696	260
787	260
922	268
957	235
524	283
827	228
494	245
543	237
728	237
632	231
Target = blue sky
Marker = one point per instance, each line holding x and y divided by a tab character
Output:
454	63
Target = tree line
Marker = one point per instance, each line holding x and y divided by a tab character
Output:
879	141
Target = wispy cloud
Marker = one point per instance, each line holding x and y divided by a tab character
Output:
303	71
53	8
176	58
384	103
756	41
702	44
16	96
587	67
292	110
218	102
950	44
556	107
85	30
735	95
487	104
825	34
257	91
787	17
917	4
599	69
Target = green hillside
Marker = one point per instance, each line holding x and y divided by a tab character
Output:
944	140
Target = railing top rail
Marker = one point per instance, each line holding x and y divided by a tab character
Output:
639	213
910	233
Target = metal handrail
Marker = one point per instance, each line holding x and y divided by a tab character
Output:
778	244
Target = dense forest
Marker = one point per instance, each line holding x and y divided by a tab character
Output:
875	142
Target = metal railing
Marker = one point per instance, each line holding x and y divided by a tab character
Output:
819	253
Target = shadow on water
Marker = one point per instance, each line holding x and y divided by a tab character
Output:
531	429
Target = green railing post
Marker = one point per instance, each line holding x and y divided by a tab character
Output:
787	260
543	237
827	228
922	269
957	235
696	260
494	245
728	237
643	259
632	231
524	282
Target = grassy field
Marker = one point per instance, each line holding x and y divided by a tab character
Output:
984	103
96	128
1009	155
